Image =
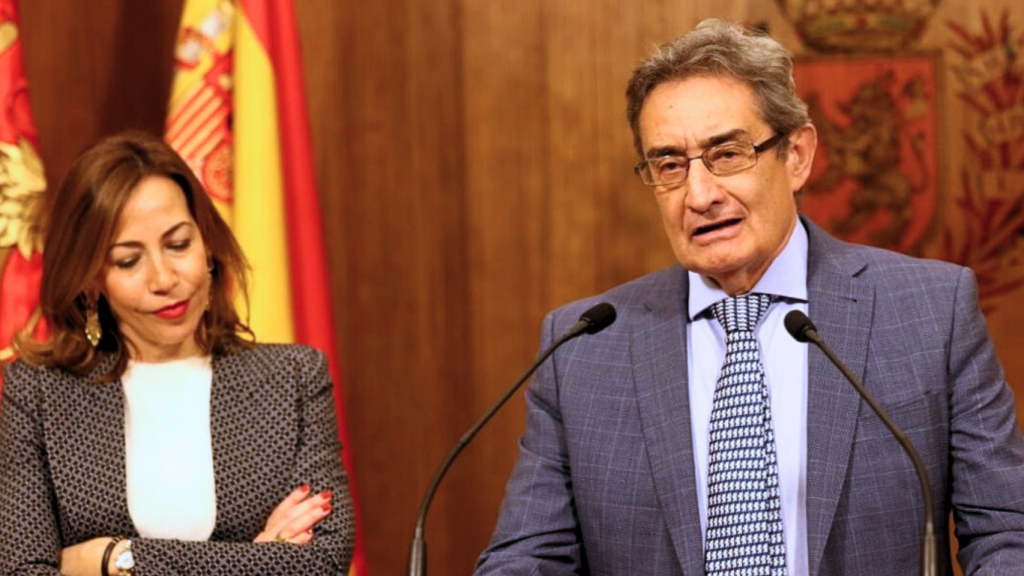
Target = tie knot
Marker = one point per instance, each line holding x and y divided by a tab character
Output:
741	313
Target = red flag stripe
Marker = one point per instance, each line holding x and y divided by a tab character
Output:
274	24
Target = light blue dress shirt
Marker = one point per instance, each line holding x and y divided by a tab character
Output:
785	363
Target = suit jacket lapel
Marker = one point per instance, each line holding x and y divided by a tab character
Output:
659	358
841	307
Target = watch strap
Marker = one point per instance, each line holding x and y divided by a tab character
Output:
106	555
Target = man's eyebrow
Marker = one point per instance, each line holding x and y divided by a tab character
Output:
660	151
709	142
730	136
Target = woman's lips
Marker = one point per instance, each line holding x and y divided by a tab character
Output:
173	311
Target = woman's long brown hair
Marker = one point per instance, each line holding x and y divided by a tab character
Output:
80	220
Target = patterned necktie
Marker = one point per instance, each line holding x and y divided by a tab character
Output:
744	535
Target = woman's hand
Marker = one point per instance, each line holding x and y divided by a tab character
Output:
84	558
294	518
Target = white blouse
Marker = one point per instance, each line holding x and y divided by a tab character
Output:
168	448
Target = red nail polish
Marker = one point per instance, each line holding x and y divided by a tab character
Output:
326	507
326	494
304	488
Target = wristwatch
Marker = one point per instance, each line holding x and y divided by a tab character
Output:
125	562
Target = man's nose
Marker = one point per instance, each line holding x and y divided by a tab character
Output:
702	188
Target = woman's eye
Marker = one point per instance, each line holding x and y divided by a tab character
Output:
181	245
126	263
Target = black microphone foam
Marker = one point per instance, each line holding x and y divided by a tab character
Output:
598	317
799	326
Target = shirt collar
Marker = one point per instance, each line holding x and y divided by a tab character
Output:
785	277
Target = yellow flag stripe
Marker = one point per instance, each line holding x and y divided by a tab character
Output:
259	209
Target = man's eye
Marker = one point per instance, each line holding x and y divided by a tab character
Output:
669	165
726	154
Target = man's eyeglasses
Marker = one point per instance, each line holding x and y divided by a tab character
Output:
722	160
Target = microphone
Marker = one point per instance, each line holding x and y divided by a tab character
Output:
592	321
802	329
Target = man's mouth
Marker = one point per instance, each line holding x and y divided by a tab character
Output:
701	230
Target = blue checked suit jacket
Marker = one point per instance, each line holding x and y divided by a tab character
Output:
604	483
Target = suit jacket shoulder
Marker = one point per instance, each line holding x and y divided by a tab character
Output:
292	363
827	254
664	291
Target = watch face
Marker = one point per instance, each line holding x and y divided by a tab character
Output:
125	560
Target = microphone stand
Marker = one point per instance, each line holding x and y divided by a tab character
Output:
803	330
592	321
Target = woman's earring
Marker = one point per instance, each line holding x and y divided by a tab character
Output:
93	329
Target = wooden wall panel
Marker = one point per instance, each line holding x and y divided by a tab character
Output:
95	71
388	133
475	171
507	205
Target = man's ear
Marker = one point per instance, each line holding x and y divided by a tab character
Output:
802	143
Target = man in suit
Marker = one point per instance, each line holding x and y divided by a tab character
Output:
621	463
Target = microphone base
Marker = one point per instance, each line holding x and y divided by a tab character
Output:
929	554
418	557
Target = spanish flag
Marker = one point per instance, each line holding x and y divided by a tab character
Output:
238	116
22	184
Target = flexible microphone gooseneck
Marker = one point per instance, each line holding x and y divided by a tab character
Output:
802	329
592	321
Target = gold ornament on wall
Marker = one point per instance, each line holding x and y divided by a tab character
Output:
859	25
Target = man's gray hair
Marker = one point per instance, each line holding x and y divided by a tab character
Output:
718	48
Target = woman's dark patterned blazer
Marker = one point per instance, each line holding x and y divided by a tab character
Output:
62	470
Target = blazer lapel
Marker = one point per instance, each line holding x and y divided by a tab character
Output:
95	414
841	307
231	410
659	358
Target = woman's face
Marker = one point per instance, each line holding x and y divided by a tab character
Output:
155	276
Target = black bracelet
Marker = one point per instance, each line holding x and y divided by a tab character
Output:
107	553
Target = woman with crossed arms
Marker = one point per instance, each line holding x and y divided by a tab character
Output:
149	434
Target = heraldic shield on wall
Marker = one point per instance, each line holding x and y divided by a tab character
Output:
874	178
920	118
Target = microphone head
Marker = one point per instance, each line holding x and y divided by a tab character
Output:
800	326
598	317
